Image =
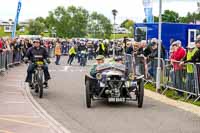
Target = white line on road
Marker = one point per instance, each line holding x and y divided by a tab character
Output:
66	68
14	102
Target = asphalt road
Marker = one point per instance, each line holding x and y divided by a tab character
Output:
65	101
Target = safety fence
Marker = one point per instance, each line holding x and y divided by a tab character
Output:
2	61
8	59
51	52
184	78
13	57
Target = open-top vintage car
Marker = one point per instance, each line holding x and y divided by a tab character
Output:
115	82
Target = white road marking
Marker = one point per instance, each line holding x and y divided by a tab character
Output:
66	68
14	102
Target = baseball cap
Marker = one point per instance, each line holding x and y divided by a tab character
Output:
36	40
174	43
100	57
191	45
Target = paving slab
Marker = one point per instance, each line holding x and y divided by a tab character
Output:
17	114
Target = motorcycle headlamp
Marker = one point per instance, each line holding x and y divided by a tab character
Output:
131	76
40	63
99	76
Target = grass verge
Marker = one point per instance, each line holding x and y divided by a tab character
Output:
172	94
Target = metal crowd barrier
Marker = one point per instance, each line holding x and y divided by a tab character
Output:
148	68
2	61
198	80
181	78
9	58
9	55
184	79
140	66
129	63
17	57
51	52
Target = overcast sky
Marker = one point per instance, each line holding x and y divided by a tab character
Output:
131	9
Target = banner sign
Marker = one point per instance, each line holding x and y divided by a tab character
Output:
148	10
16	18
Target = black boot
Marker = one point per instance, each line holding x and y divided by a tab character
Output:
45	84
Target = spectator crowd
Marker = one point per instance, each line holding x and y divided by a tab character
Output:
176	73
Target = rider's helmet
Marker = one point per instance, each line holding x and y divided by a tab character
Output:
36	40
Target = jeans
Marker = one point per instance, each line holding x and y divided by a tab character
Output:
90	55
71	58
31	69
57	59
17	56
190	84
64	49
83	59
79	56
178	81
172	77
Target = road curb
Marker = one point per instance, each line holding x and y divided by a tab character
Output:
55	125
179	104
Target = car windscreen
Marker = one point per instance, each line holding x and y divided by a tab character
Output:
118	66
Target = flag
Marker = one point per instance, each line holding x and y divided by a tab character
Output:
16	18
148	10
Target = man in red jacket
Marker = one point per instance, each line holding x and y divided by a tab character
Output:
1	45
178	55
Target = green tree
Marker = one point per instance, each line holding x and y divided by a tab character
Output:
170	16
18	27
167	16
155	18
36	27
41	19
99	26
191	17
128	24
70	22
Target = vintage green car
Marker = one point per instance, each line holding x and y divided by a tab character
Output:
115	82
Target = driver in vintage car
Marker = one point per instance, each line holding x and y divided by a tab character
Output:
99	61
32	53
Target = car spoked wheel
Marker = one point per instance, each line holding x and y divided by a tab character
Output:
140	93
88	95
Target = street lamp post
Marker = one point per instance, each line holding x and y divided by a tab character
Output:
114	12
53	32
95	27
159	47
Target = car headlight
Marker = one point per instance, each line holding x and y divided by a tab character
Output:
131	76
99	76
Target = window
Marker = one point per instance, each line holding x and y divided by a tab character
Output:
140	33
7	28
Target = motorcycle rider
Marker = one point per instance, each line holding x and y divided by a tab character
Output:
82	55
37	50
